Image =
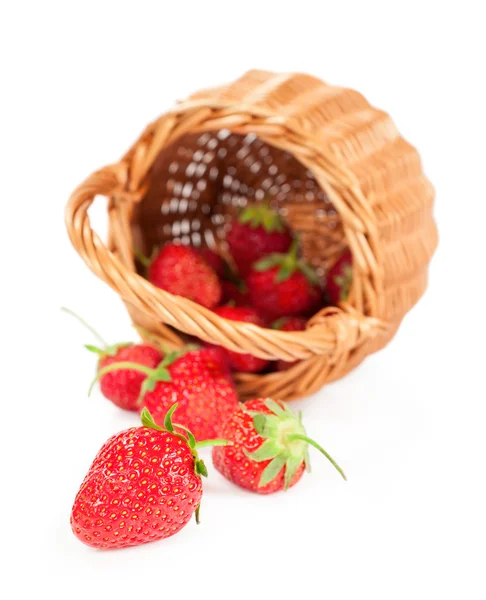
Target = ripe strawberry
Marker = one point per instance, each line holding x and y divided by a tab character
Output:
180	270
339	279
246	363
123	387
144	485
269	449
257	231
288	324
235	293
214	260
197	379
283	285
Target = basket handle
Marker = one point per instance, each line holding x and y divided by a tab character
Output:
332	331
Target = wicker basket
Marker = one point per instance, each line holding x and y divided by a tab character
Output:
338	172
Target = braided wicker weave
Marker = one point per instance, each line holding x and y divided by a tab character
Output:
338	172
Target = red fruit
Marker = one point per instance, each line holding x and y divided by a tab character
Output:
284	285
236	294
144	485
269	448
288	324
258	231
214	260
339	279
180	270
123	387
197	380
246	363
216	362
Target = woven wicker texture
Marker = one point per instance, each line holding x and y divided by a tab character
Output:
335	168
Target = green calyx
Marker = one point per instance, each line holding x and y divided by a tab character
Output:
261	215
344	282
145	261
279	323
110	350
105	349
187	436
160	373
286	443
288	264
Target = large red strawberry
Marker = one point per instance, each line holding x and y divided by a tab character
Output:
121	387
288	324
269	449
339	279
256	232
144	485
282	285
246	363
197	379
180	270
215	261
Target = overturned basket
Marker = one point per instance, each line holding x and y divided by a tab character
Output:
335	168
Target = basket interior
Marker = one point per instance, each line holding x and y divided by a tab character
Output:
198	182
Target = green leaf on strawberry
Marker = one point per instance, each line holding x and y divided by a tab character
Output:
288	264
285	443
261	215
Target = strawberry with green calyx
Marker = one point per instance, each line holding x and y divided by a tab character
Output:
123	387
339	279
288	324
194	377
269	447
144	485
284	285
256	232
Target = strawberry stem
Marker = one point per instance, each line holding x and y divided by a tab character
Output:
142	259
304	438
102	341
294	249
121	365
210	443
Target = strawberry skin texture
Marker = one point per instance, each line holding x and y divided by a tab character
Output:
232	462
247	244
274	299
203	389
180	270
214	260
140	488
123	387
245	363
216	362
339	279
289	324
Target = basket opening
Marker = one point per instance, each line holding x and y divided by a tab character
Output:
202	179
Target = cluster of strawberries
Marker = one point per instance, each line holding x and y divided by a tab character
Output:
268	283
145	483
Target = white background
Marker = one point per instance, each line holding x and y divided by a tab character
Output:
80	82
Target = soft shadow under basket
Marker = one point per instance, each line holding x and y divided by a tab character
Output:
337	170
